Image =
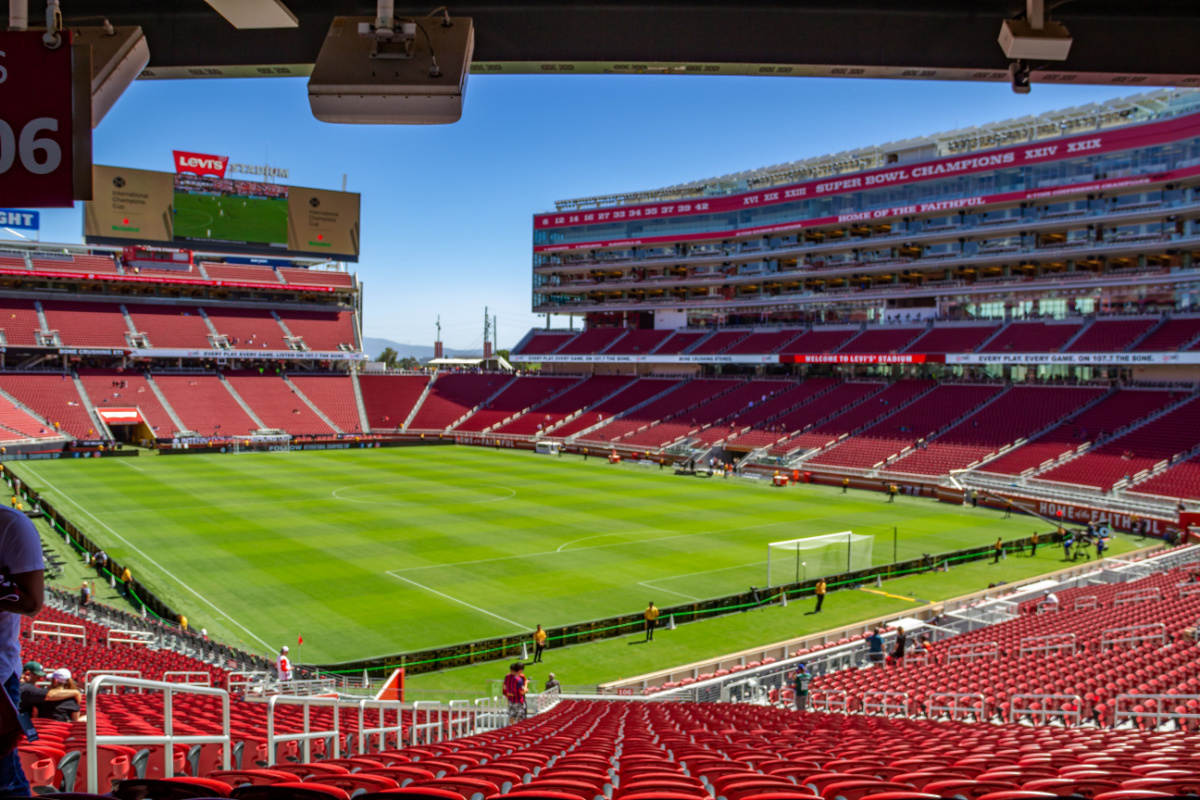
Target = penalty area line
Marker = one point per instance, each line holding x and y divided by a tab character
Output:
652	587
460	602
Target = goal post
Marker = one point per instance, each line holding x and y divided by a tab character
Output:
797	560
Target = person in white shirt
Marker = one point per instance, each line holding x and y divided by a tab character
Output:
21	594
283	665
1049	597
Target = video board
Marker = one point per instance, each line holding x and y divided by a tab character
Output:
213	212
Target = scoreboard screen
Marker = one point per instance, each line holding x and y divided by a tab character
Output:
212	213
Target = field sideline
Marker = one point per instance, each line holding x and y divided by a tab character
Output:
367	553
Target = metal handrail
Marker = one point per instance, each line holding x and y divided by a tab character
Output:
308	734
206	677
544	701
245	678
65	630
1188	589
132	673
823	699
1020	705
1046	606
1087	602
489	714
1137	595
1161	701
418	727
458	718
383	728
1050	643
870	705
128	637
954	709
960	652
168	739
1109	638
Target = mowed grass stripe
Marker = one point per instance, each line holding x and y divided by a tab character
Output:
305	543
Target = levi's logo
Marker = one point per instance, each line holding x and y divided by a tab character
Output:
200	163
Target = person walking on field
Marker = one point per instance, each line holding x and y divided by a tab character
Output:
892	490
820	593
651	616
1033	541
997	550
539	644
845	485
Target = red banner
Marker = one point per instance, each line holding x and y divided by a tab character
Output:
39	114
1109	141
861	358
200	164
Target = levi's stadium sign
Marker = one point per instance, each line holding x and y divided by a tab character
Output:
1075	359
200	163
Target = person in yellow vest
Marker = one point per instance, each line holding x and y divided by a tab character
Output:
539	644
892	490
182	622
1034	542
820	592
651	615
127	579
845	485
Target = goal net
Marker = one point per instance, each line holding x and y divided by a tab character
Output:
798	560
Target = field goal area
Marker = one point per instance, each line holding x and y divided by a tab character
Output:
797	560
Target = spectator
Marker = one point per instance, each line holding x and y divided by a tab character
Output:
875	647
22	594
552	683
514	689
800	686
899	647
30	693
62	698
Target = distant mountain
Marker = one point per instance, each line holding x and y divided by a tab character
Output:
374	347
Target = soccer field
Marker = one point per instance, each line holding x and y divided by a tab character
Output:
236	219
372	552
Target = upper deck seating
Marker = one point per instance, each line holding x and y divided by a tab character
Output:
765	342
247	328
19	321
316	277
87	324
1032	337
328	331
593	340
821	340
545	343
719	342
1111	335
1171	335
171	326
887	339
679	342
952	339
639	342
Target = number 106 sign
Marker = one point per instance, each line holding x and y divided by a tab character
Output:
45	122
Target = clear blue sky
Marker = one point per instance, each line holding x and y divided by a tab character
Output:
446	210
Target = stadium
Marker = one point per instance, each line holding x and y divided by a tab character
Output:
873	475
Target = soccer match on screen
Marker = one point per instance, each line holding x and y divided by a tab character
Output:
762	401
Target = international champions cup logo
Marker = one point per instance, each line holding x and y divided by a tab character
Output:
200	164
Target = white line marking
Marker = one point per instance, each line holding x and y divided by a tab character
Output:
207	507
125	462
668	591
148	559
460	602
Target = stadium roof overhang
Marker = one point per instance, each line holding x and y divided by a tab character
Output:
1150	42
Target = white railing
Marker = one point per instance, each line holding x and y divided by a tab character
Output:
880	703
955	707
1041	709
1066	643
1134	635
458	719
307	735
490	714
546	700
1137	595
1088	602
189	677
238	682
167	739
129	637
1188	589
1164	708
128	673
434	728
967	652
61	630
383	728
1048	606
829	700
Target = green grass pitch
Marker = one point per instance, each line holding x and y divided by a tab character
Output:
373	552
235	219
